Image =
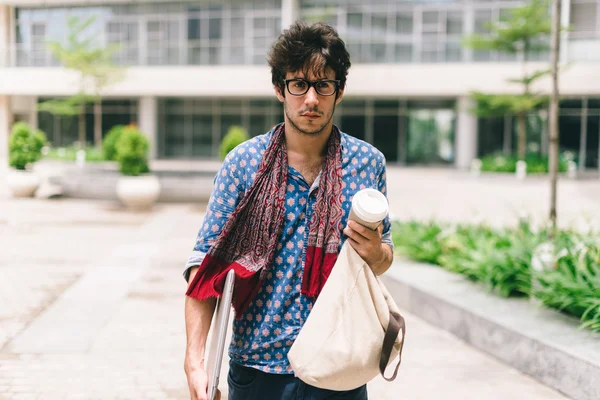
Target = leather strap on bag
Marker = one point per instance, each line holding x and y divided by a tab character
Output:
395	325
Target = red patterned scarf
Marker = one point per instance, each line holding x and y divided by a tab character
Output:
248	241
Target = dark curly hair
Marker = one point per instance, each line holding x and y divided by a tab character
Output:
308	49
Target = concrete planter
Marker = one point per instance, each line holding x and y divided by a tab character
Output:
138	192
22	183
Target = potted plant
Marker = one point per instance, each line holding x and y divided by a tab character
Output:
24	148
136	188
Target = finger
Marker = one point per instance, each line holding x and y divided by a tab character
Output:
380	229
352	234
363	231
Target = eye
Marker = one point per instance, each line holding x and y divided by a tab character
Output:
324	85
299	84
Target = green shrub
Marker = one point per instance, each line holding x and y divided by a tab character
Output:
574	287
234	136
110	141
132	152
25	145
535	163
500	259
418	240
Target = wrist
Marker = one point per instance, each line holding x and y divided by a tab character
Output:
381	265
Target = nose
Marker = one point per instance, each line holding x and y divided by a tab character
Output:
311	98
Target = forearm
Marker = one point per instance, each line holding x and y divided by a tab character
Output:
382	266
198	315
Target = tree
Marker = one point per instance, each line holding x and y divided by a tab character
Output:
96	72
524	31
554	132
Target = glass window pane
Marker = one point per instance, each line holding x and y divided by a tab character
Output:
202	139
355	22
454	23
385	138
377	52
404	52
430	17
237	28
193	28
258	124
214	28
453	51
404	23
482	18
353	125
378	24
584	17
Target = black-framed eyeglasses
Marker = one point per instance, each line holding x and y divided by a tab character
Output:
324	87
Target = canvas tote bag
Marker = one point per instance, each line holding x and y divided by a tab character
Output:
353	331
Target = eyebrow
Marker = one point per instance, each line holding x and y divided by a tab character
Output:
318	79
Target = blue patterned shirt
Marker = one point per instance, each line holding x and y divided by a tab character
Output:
263	336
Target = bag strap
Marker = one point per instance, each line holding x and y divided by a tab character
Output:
395	325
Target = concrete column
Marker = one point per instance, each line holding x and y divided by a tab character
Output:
290	12
147	122
466	133
5	15
33	112
5	124
564	35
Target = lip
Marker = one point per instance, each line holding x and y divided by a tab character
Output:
311	115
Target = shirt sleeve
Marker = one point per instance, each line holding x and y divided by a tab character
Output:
229	186
382	187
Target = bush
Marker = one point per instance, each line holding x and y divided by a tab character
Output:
234	136
132	152
501	260
574	287
535	163
110	141
25	145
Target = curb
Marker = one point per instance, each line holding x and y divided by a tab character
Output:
538	341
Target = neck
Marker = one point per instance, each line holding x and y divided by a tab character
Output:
310	146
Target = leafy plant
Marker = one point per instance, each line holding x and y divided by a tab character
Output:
501	259
235	135
132	152
25	145
574	287
110	141
535	164
419	241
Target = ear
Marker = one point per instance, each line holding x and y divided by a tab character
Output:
339	96
278	93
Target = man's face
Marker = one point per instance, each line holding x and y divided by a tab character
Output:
310	113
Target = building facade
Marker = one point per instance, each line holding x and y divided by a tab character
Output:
194	68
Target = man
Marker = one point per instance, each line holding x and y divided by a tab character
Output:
278	216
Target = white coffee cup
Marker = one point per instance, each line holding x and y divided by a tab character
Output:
369	208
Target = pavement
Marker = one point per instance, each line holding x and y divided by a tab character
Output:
91	298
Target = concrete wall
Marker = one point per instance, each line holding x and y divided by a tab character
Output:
422	80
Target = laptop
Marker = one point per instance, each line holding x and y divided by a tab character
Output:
218	336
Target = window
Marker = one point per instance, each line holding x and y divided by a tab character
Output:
584	18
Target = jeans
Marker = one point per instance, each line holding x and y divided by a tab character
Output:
251	384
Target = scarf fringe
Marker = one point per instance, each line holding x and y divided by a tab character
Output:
209	282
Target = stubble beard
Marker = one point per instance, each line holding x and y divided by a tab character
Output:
315	132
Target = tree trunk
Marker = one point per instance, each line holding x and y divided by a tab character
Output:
554	133
98	124
522	132
82	127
